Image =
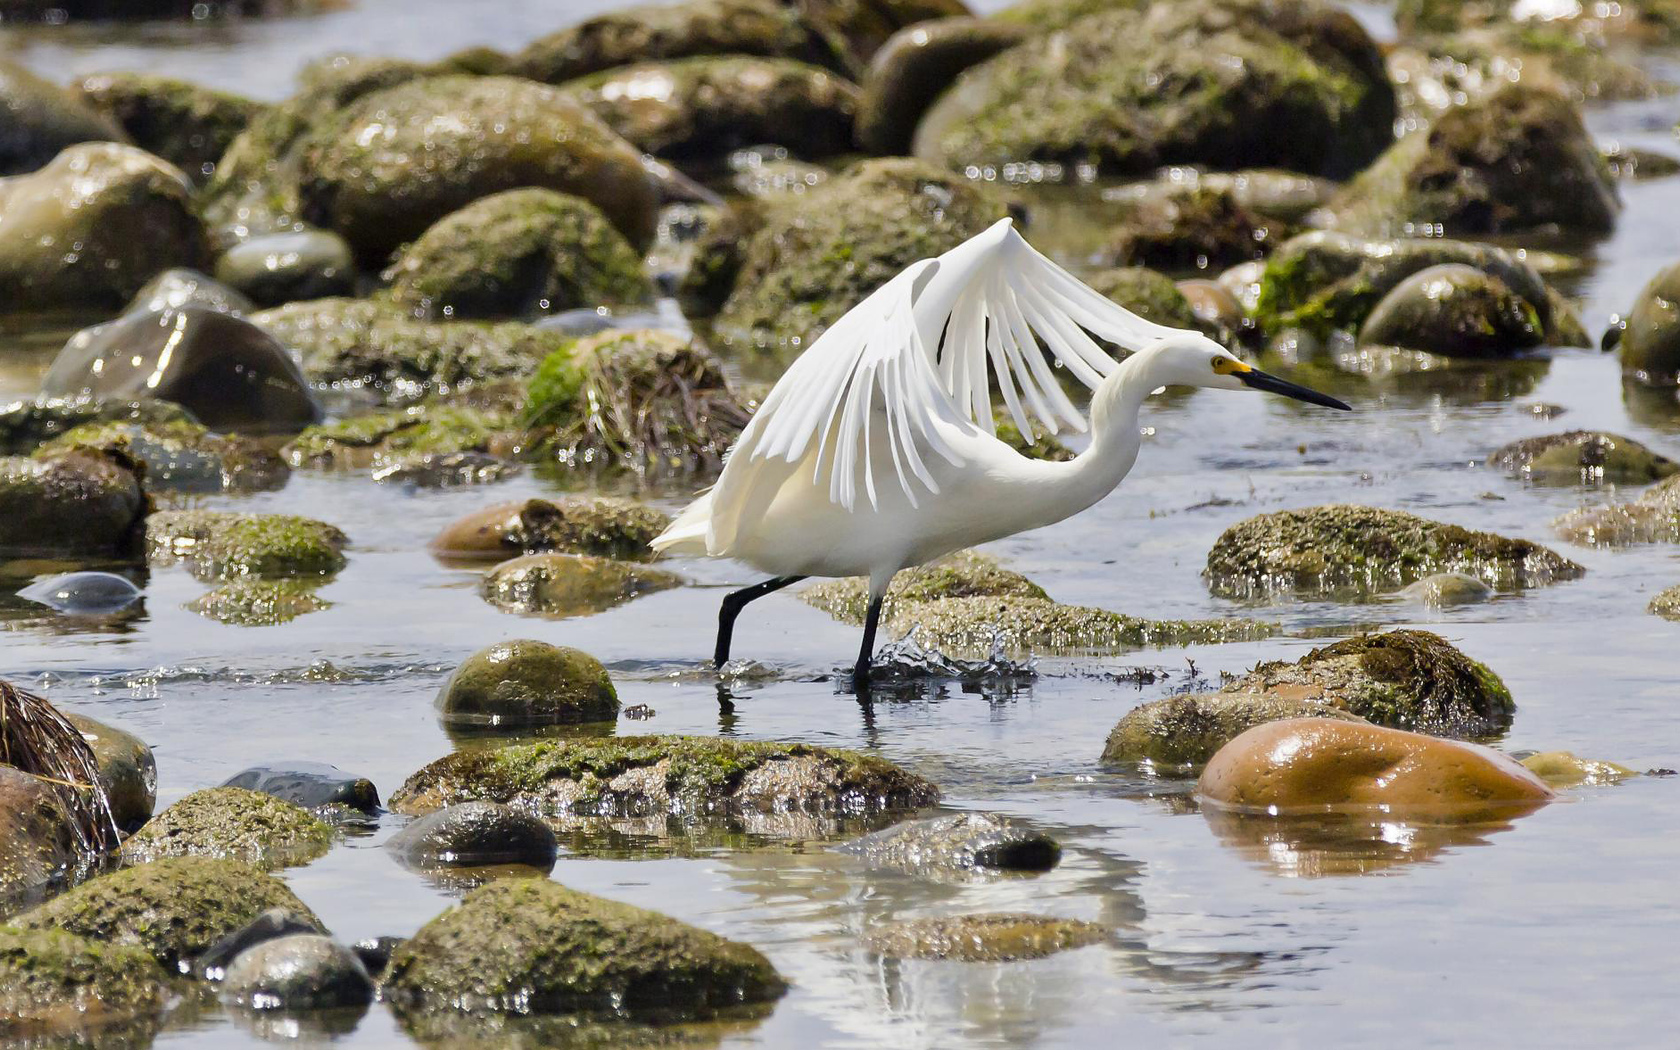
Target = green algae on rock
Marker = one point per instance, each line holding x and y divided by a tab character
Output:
127	769
1179	734
1562	769
917	64
990	938
599	525
1192	227
1455	310
1349	549
519	253
224	545
960	575
174	908
975	627
398	435
1654	517
182	455
525	682
959	845
186	124
231	823
252	601
1666	604
531	946
58	986
1582	457
27	425
78	502
558	586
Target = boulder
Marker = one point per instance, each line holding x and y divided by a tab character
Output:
221	544
1650	346
27	425
57	989
558	586
1565	769
127	770
914	67
178	287
964	574
187	125
38	119
252	601
520	253
1455	310
1179	734
475	834
182	455
392	437
1654	517
603	526
980	626
311	785
1582	457
1447	588
302	971
1196	228
76	502
958	845
865	26
277	268
38	837
1152	296
526	683
231	823
90	228
991	938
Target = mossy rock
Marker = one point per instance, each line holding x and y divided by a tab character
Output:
75	502
182	455
223	545
1152	296
55	985
1033	446
188	125
1348	549
232	823
1447	588
282	267
819	254
1457	311
1179	734
527	682
27	425
380	439
1582	457
531	946
1195	228
914	67
1650	347
975	627
174	908
864	27
694	779
558	586
1564	769
718	253
960	575
127	769
599	525
520	253
251	601
42	118
1654	517
992	938
1666	604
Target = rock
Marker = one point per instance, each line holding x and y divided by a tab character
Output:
27	425
1193	229
127	770
1644	21
92	227
57	989
226	371
376	952
79	502
187	125
303	971
1277	83
525	683
558	586
647	400
659	32
270	925
1347	548
913	67
178	287
531	946
1215	309
1650	346
1152	296
38	839
1628	161
399	436
1666	604
599	525
475	834
699	109
84	593
378	346
1563	769
1582	457
961	844
406	156
174	908
979	626
250	601
231	824
310	785
866	27
1323	765
1652	518
1515	160
961	575
278	268
695	780
718	252
1447	588
182	455
220	544
39	118
819	254
1455	310
993	938
1325	282
57	11
1179	734
437	470
518	254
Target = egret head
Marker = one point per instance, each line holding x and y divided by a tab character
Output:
1191	359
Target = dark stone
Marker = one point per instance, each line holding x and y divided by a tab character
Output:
278	268
475	834
309	784
270	925
913	67
302	971
961	843
84	593
39	118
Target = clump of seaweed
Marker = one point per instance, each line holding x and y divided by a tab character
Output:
38	740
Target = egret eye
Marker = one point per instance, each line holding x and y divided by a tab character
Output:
1223	366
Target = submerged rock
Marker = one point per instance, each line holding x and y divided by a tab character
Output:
1652	518
1582	457
1347	548
310	785
1179	734
186	124
475	834
564	585
1564	769
532	946
251	601
1316	764
960	844
976	627
303	971
598	525
221	544
270	925
127	770
526	683
183	456
276	268
1455	310
995	938
961	575
71	503
231	823
914	67
27	425
84	593
403	436
38	119
38	839
1447	588
62	989
174	908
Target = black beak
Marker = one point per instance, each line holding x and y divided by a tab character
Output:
1271	384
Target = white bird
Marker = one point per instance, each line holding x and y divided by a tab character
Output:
876	450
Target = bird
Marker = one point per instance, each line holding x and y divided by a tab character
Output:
877	450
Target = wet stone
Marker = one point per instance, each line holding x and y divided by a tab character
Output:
186	124
127	770
474	834
38	841
1180	733
225	545
1654	517
231	823
442	470
39	118
983	938
184	456
1447	588
1455	310
1565	769
58	989
558	586
302	971
403	438
1192	228
526	683
27	425
75	502
597	525
1152	296
84	593
279	268
251	601
177	287
959	844
1650	346
914	67
1666	604
960	575
309	785
271	924
1582	457
980	626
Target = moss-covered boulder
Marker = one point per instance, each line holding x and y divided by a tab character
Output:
1180	733
1516	160
1228	83
990	938
127	770
1343	548
1455	310
252	601
182	455
75	502
515	254
90	228
57	989
524	683
224	545
186	124
174	908
820	253
699	109
975	627
1582	457
1152	296
27	425
533	946
661	32
232	823
1650	346
381	439
559	586
600	525
399	159
38	119
1654	517
914	67
716	255
1666	604
645	399
959	845
276	268
38	835
961	575
1196	228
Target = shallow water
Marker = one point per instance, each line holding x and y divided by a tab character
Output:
1553	931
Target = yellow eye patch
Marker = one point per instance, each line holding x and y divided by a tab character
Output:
1224	366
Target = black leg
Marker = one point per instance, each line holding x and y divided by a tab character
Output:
734	602
866	655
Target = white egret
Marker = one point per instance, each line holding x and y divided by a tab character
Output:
876	450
